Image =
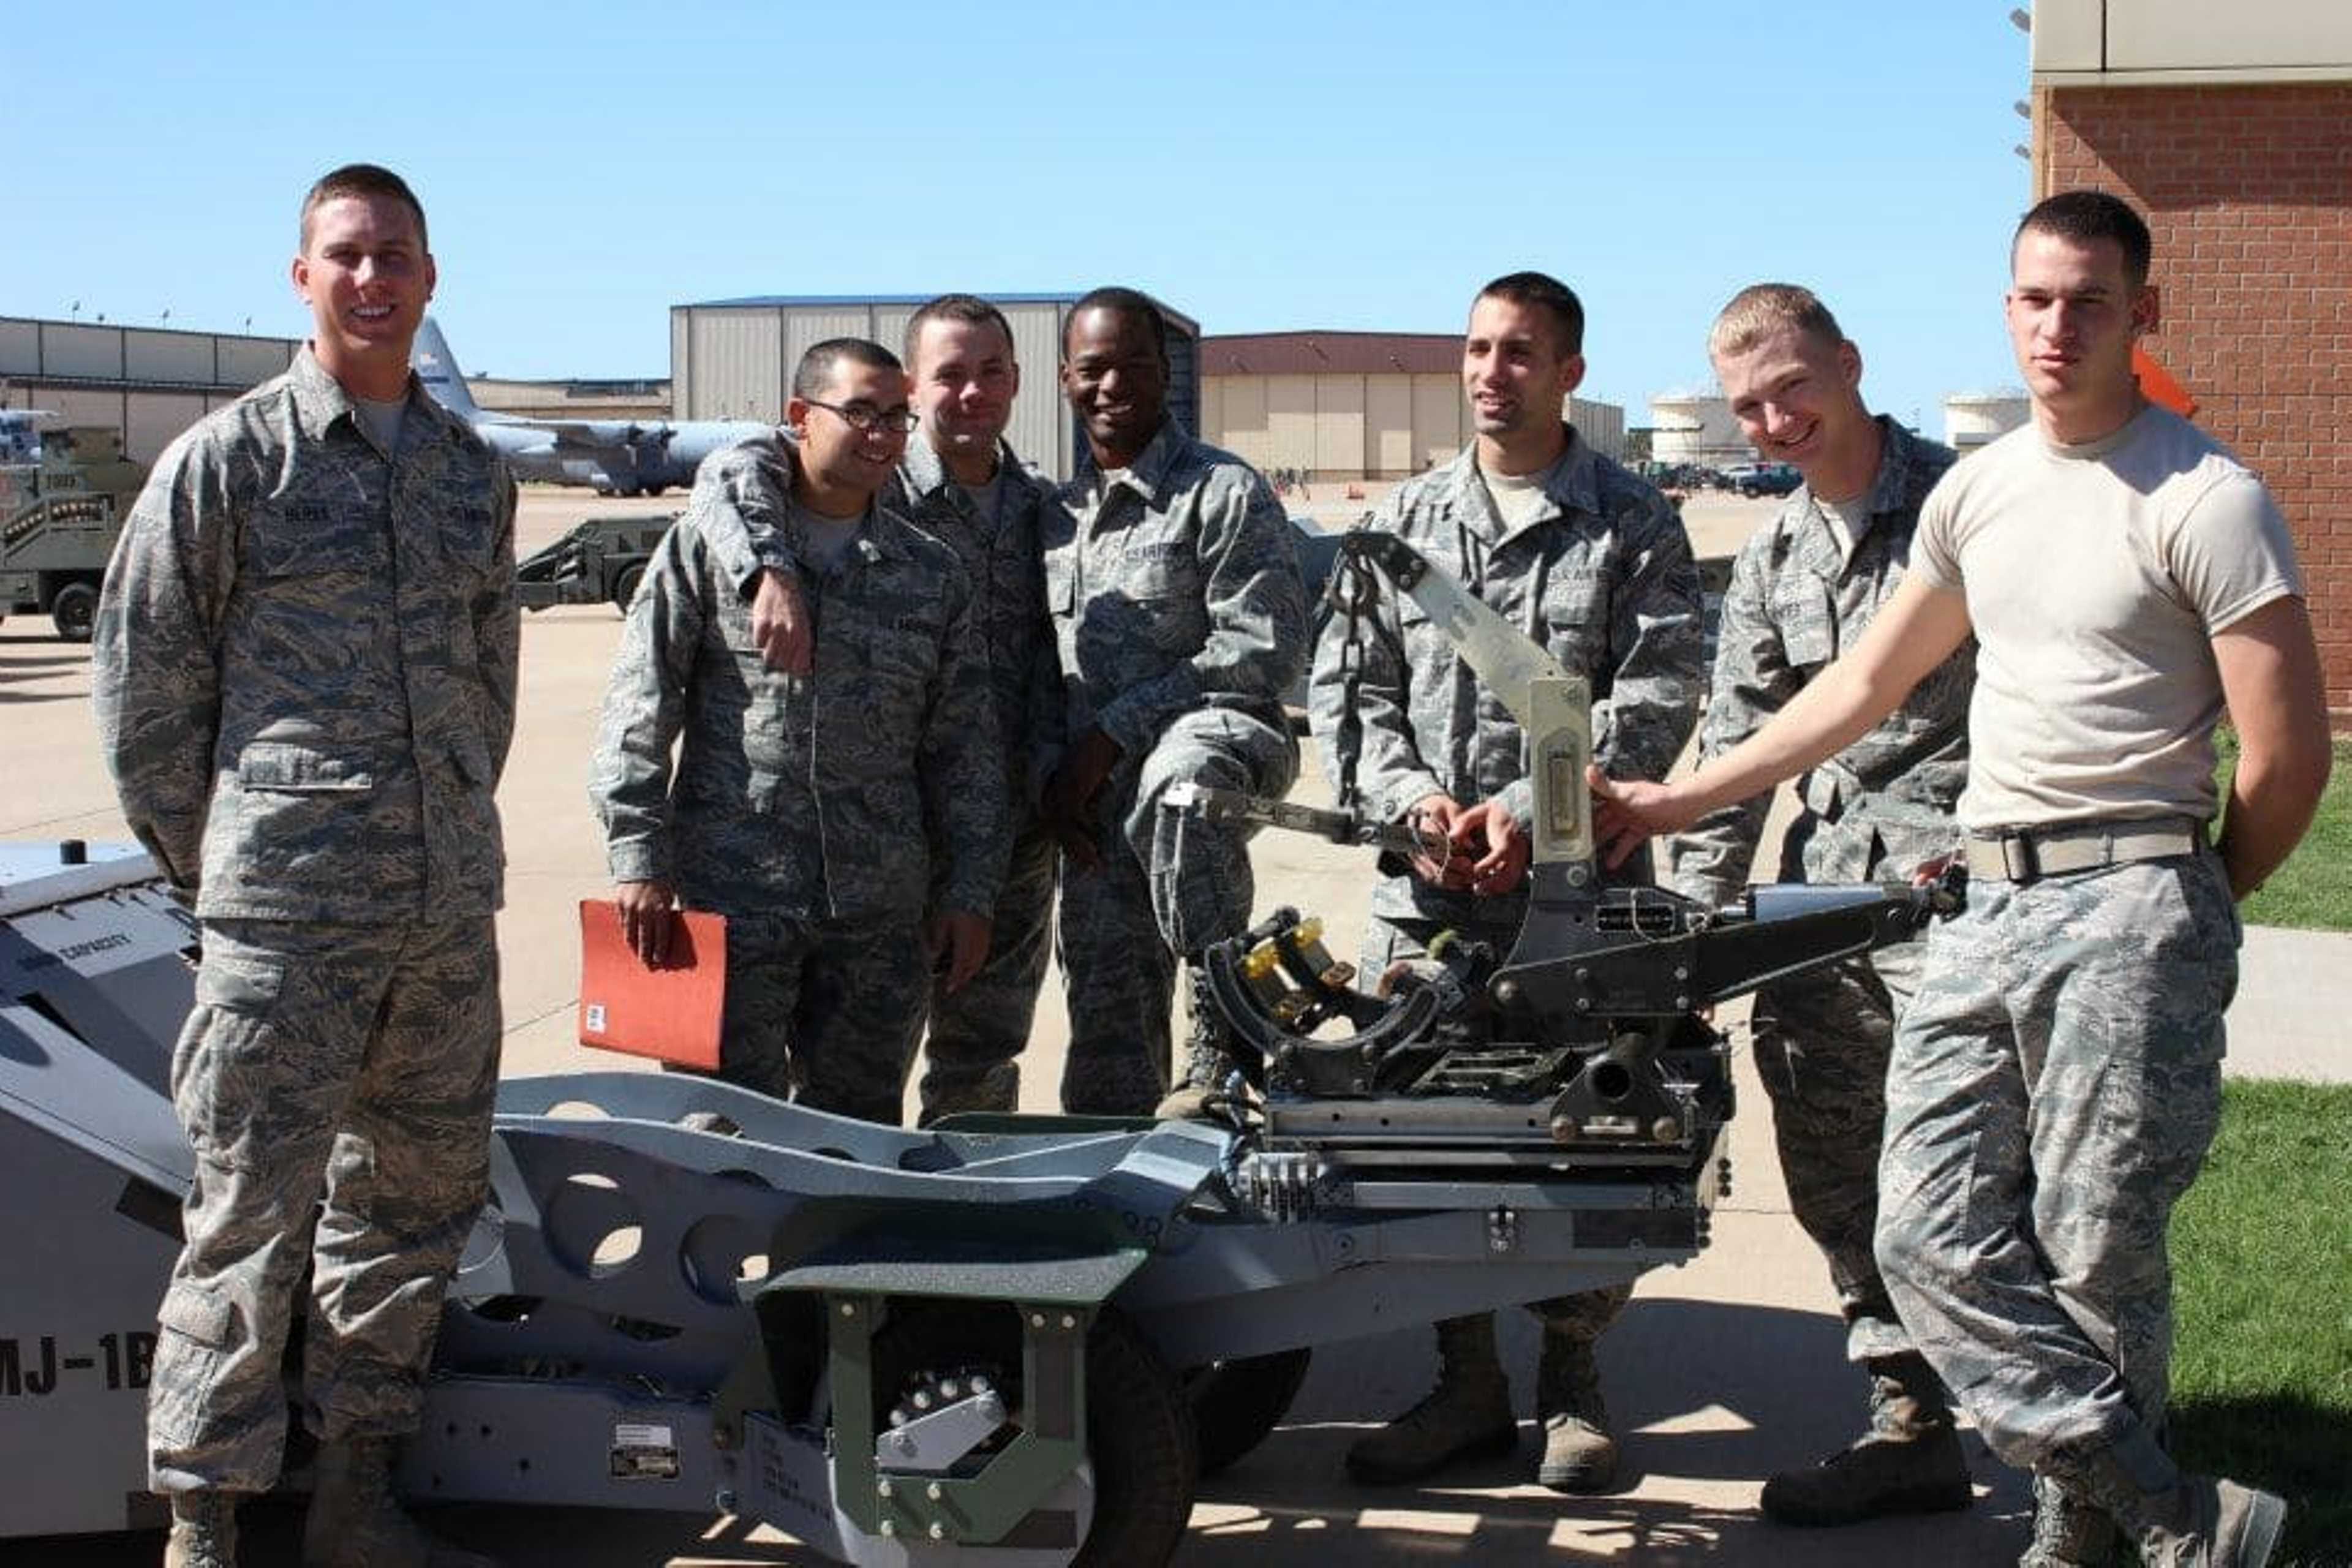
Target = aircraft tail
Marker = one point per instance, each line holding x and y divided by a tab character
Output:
436	367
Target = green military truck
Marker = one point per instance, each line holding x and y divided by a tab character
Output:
63	496
600	561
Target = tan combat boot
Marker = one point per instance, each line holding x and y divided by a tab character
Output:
1908	1462
2069	1531
1579	1456
2214	1523
356	1523
204	1531
1209	1059
1467	1415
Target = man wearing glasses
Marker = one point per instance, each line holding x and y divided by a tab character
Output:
959	482
850	821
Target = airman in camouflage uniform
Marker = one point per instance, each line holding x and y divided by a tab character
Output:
959	361
2056	1078
823	815
1180	620
1803	587
305	670
1594	564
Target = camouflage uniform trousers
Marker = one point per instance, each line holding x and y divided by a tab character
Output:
2054	1089
825	1013
1822	1041
1168	886
356	1064
1585	1316
971	1059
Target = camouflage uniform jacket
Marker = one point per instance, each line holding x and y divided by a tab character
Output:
1796	602
1602	577
870	787
1176	590
999	555
306	660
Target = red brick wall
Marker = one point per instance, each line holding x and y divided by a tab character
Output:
2248	193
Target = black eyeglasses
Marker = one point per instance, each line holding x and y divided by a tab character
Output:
863	417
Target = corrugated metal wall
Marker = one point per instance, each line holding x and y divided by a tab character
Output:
735	365
1040	431
1351	427
148	382
167	356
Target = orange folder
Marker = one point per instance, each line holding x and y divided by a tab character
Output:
670	1013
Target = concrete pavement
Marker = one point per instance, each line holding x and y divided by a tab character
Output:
1721	1372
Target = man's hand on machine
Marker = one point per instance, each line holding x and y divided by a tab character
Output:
1496	847
1479	849
1629	812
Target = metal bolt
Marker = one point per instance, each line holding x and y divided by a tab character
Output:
1564	1128
1666	1130
1507	992
1069	1321
726	1501
934	1492
920	1401
882	1487
848	1309
1036	1320
889	1528
938	1531
905	1443
1682	1002
1584	1004
979	1383
1682	971
947	1389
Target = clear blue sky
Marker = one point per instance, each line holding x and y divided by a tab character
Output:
1262	166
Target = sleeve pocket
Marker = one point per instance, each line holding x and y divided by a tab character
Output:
196	1312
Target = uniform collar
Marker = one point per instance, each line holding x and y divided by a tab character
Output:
1891	491
925	472
881	537
1148	473
320	399
1571	485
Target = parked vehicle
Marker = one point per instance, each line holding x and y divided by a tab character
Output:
1752	479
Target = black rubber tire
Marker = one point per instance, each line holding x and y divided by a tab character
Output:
624	587
1139	1422
655	489
74	611
1236	1403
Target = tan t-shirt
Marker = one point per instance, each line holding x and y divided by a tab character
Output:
2096	577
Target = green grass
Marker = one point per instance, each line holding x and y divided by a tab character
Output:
2261	1254
2314	889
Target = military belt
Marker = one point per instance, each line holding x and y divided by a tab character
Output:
2028	854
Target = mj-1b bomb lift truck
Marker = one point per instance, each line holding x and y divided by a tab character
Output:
1003	1341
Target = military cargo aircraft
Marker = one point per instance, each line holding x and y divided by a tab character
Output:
618	457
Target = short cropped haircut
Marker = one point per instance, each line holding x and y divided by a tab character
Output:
362	181
1541	291
1762	308
2085	217
1120	302
970	309
813	376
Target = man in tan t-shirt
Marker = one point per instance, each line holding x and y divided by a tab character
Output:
2057	1080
